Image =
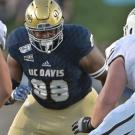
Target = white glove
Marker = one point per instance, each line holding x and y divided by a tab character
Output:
3	32
21	92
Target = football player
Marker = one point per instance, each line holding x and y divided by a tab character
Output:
121	73
59	60
5	81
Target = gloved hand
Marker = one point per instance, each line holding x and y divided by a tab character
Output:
21	92
3	32
83	125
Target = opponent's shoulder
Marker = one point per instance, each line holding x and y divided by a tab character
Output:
119	44
122	47
126	40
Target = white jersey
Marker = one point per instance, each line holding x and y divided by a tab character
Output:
124	47
121	120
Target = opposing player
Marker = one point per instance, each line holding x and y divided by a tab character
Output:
5	81
121	73
59	61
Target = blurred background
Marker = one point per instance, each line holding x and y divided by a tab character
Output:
105	18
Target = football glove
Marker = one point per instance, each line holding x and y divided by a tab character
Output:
21	92
83	125
3	32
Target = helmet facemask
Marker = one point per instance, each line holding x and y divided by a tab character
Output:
46	39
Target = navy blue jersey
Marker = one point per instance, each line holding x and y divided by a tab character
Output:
57	78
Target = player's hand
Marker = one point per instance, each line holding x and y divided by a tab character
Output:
83	125
3	32
21	92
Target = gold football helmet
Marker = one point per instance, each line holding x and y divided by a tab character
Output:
44	23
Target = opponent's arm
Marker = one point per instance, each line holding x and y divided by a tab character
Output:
107	99
5	81
111	91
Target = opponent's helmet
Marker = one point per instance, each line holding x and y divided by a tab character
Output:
44	23
129	28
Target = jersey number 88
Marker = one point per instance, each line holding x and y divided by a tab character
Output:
58	90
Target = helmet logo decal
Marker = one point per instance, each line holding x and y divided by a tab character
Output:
56	14
29	17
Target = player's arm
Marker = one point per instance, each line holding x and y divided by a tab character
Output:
16	75
94	63
107	99
111	91
5	81
14	68
20	91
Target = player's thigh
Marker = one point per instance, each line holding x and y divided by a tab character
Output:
25	122
88	102
74	112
